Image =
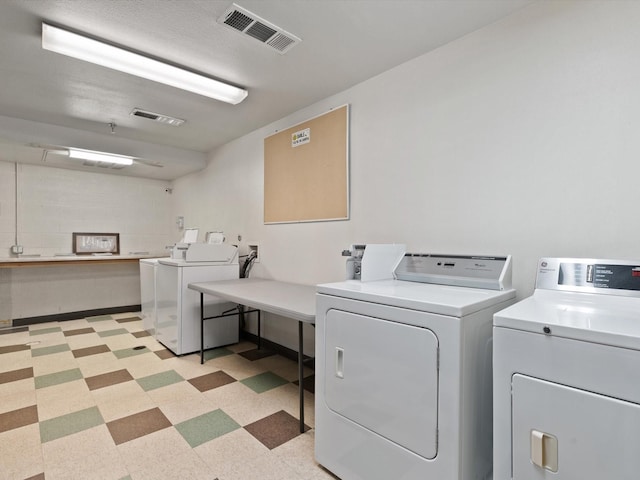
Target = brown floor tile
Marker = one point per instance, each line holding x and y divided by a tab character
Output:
14	348
8	330
79	331
85	352
141	334
138	425
276	429
14	375
256	354
18	418
164	354
128	319
211	381
107	379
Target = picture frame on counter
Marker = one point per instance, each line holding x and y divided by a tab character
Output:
96	243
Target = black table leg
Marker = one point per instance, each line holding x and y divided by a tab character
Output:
201	328
300	376
259	336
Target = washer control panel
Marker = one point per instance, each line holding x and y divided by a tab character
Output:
474	271
615	277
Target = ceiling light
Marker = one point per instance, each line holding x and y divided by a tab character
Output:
89	50
79	154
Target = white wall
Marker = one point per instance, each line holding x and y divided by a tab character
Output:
52	204
521	138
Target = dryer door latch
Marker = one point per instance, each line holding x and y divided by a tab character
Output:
339	362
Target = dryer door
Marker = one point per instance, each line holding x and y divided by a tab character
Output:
564	433
383	375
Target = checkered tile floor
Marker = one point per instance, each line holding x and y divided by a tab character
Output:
99	398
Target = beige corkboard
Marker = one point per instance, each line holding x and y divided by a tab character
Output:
308	182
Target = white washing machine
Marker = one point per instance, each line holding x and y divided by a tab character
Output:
178	307
567	375
148	271
403	370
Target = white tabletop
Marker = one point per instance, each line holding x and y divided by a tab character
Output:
290	300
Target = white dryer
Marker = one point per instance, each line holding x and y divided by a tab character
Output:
403	370
567	376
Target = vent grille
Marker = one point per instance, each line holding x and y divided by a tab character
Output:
255	27
280	42
157	117
140	113
238	20
260	32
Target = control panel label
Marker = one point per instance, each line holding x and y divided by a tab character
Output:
619	277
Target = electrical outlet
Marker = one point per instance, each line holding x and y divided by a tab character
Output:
17	249
255	247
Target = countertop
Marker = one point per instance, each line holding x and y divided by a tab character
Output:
38	261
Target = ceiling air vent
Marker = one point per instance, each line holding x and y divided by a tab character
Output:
252	25
157	117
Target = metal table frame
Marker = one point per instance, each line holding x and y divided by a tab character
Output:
285	299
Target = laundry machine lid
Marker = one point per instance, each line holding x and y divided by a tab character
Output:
426	297
595	300
589	317
152	261
171	262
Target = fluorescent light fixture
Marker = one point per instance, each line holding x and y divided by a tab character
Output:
84	48
80	154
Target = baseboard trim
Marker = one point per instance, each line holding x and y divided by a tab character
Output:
60	317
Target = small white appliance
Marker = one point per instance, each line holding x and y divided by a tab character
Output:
403	370
566	376
148	272
178	307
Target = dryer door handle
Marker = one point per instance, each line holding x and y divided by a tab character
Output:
544	450
339	362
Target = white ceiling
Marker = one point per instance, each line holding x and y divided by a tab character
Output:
47	98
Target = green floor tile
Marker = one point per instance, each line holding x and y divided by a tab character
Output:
71	423
216	353
206	427
159	380
111	333
38	352
263	382
130	352
99	318
44	331
57	378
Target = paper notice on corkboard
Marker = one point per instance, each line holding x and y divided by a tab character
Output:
306	170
